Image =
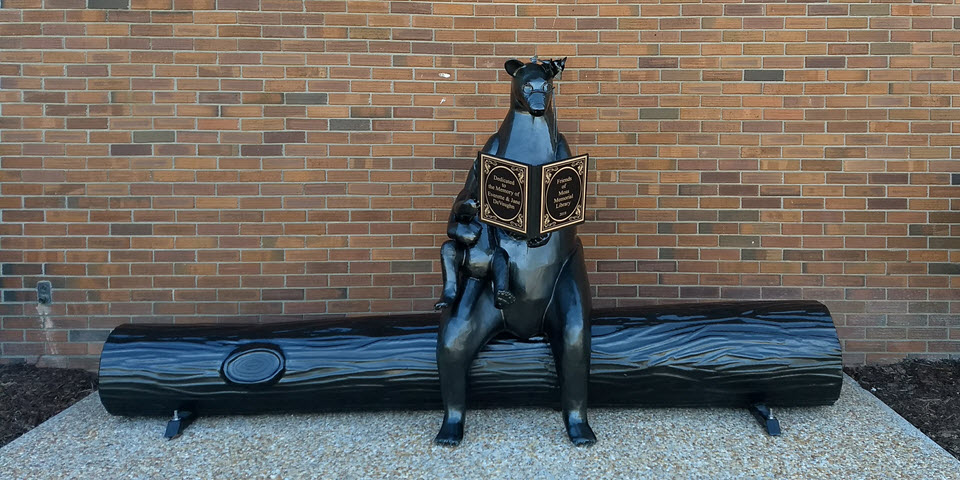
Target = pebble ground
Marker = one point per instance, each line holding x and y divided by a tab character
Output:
857	438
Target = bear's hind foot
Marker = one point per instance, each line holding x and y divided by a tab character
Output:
580	432
451	433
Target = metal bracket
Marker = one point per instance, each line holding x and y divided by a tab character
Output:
180	421
764	415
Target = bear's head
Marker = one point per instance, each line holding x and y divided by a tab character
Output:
532	86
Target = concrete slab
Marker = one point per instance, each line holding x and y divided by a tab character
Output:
859	437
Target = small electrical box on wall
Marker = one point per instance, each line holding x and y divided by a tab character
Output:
44	292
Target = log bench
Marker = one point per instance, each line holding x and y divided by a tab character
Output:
727	354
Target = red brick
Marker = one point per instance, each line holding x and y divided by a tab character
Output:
346	149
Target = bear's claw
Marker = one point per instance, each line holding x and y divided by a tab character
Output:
504	298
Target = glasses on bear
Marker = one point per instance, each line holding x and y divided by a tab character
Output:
528	88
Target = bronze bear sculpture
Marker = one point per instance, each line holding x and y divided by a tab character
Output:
548	290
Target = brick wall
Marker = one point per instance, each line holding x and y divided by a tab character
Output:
238	160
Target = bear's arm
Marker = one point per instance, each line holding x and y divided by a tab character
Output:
469	192
471	186
563	150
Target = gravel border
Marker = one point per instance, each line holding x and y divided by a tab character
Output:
859	437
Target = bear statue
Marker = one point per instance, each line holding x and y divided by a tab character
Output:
499	281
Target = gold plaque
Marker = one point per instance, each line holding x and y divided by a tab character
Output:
564	194
511	190
504	193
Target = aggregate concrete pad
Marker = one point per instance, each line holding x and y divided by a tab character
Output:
858	438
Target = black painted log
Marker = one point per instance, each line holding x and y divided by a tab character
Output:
712	354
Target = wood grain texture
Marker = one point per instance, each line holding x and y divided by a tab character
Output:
713	354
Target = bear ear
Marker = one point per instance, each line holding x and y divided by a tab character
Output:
555	67
512	66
